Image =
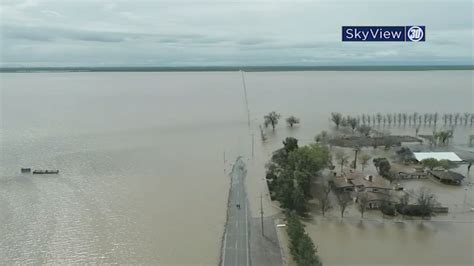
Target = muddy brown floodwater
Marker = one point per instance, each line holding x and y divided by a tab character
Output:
143	177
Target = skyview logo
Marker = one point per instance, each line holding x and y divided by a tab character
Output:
383	33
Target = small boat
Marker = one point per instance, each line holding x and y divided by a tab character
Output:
45	172
26	170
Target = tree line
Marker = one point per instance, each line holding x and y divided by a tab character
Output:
412	119
301	246
290	173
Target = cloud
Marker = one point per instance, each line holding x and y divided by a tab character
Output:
226	32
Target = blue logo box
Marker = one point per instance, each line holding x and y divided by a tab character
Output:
383	33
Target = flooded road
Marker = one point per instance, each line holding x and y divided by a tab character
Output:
144	161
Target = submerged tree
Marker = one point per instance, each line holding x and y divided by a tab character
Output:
445	119
271	119
389	119
425	118
342	159
466	118
382	165
322	137
435	118
379	118
443	136
362	201
323	197
426	201
456	118
364	160
364	130
292	121
343	199
336	118
404	116
352	122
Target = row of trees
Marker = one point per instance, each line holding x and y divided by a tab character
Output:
289	176
272	118
301	246
414	119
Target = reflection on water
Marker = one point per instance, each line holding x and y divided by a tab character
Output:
141	157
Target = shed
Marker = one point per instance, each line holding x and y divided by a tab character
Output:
448	177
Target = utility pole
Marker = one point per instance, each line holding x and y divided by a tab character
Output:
224	161
261	212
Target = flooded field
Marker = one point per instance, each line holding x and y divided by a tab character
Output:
144	158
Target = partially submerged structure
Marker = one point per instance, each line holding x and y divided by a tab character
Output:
447	177
367	141
356	181
375	200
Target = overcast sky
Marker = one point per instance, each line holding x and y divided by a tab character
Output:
222	32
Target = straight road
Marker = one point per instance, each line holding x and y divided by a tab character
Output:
236	238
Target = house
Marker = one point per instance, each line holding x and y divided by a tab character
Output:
340	184
376	199
356	181
447	177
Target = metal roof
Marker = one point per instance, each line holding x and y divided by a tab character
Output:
451	156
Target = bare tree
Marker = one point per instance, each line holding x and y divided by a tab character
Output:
466	118
379	118
336	118
363	200
415	116
425	118
323	197
343	199
426	200
364	161
445	118
271	119
456	118
435	118
404	201
292	121
341	159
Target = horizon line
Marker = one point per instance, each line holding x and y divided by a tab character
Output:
249	68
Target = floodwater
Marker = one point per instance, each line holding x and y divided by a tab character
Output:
144	159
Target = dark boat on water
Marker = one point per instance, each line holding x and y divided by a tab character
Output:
26	170
45	172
